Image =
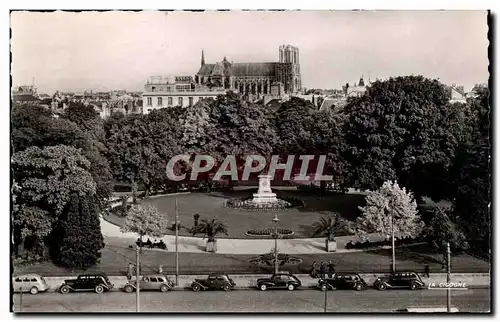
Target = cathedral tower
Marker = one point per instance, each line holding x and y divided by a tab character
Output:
289	68
202	57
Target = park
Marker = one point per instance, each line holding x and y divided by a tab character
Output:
69	218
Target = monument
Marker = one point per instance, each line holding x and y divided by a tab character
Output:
265	198
264	194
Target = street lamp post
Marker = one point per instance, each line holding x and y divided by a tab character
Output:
276	221
326	298
137	285
176	243
448	278
393	244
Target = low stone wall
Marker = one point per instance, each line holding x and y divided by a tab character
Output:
250	281
130	199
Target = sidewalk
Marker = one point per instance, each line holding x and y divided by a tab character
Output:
249	281
239	246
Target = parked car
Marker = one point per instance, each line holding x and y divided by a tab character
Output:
343	281
98	283
32	283
150	283
409	280
283	280
213	282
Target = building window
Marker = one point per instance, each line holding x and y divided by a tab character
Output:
169	101
160	101
190	101
150	101
180	101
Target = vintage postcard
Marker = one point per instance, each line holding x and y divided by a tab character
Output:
250	161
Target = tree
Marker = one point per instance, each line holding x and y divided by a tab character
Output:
472	175
210	228
303	129
402	129
328	226
45	180
146	220
197	127
443	228
37	126
390	201
139	147
390	211
240	128
81	237
87	119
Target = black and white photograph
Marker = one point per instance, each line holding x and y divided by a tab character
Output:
250	161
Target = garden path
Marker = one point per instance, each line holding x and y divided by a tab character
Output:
239	246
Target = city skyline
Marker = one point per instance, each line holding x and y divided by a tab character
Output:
120	50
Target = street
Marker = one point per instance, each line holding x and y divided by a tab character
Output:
472	300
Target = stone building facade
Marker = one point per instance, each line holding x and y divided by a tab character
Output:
254	79
170	91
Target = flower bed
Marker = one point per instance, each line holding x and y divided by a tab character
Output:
260	232
247	204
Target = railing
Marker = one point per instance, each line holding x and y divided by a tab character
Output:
189	91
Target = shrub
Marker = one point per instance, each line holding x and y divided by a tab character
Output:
269	231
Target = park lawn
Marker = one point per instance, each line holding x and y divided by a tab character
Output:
116	257
211	205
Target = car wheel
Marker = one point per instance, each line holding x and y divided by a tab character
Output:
226	287
291	287
129	289
382	287
358	287
99	289
196	287
34	290
64	289
324	287
413	286
263	287
164	288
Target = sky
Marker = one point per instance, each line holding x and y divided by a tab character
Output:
103	51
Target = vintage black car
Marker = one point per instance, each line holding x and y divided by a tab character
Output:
150	283
409	280
98	283
282	280
213	282
343	281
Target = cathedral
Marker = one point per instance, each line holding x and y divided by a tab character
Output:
254	80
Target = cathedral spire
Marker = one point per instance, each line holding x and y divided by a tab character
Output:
202	57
